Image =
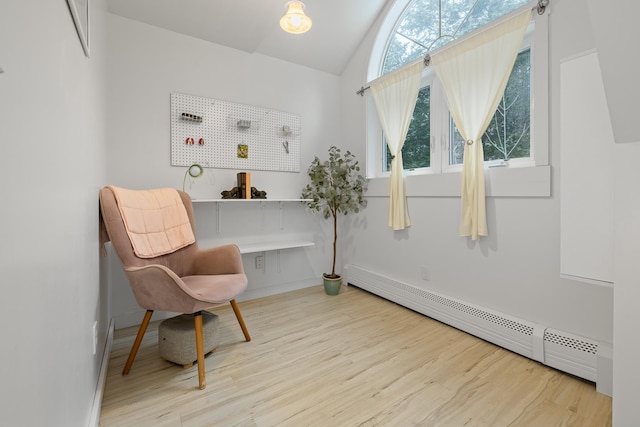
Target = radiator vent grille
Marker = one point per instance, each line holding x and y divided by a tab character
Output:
470	310
569	342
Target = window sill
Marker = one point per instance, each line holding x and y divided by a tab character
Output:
499	182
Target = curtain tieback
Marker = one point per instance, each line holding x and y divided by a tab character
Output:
469	141
393	157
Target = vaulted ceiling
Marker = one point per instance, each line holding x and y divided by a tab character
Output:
253	26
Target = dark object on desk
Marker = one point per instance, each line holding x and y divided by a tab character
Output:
234	193
244	184
257	194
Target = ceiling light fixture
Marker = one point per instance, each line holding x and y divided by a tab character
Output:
295	21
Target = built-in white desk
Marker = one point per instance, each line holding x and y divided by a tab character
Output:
273	245
250	248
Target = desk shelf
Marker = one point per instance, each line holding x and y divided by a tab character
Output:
250	248
248	200
277	246
266	246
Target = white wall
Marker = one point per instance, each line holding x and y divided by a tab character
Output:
586	176
516	269
626	370
147	64
615	30
53	145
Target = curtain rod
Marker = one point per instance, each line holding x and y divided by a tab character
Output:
540	7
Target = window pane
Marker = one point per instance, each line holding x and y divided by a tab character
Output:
426	25
508	134
416	149
401	51
485	11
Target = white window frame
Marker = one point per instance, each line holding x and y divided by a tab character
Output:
520	177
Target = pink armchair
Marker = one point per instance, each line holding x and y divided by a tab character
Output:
186	280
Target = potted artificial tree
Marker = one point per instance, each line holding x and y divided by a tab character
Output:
336	187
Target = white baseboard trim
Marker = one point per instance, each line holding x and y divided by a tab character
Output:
94	421
604	381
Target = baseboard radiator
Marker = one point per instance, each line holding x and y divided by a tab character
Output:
569	353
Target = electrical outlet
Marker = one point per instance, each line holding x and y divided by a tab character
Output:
260	262
426	274
95	337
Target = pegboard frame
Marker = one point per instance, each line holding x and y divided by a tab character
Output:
209	132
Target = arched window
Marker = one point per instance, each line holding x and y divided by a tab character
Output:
426	25
414	28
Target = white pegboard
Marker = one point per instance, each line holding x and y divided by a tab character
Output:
214	133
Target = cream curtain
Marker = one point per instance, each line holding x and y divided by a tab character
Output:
474	74
395	96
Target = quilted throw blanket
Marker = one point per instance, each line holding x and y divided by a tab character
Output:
156	220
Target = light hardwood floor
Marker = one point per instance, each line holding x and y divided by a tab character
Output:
348	360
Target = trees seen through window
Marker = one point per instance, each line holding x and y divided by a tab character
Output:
427	25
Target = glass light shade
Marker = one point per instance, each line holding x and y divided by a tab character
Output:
295	21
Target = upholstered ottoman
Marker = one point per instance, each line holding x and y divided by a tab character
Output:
177	337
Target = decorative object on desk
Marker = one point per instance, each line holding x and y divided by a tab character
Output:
336	187
244	184
194	171
243	151
234	193
258	194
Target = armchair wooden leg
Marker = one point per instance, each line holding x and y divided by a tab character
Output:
136	343
236	310
197	317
